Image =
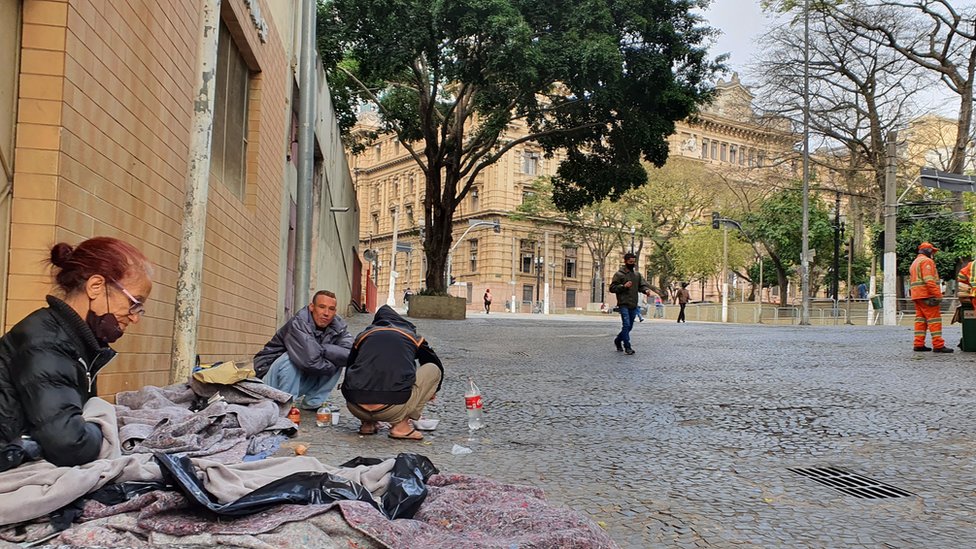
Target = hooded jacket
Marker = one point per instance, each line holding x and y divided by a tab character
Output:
48	364
311	350
627	297
383	362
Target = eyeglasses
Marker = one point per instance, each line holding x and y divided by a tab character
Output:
137	307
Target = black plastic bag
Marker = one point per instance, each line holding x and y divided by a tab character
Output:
408	483
298	488
114	494
407	489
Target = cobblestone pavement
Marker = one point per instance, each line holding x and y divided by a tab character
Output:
689	442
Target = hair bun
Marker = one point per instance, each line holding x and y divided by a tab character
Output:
61	253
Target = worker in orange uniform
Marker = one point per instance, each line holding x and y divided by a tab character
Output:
964	284
927	295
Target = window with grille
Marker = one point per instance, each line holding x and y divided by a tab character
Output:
725	152
228	147
376	223
569	263
530	163
474	198
527	248
714	150
704	148
527	293
473	253
733	153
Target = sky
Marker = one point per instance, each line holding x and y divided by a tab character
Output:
742	22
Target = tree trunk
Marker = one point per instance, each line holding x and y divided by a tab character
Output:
438	230
783	284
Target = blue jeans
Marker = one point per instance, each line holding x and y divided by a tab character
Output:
627	316
284	376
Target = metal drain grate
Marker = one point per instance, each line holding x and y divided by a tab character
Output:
852	484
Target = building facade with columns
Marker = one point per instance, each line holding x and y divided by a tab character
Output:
523	259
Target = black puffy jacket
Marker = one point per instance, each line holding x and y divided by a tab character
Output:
48	364
383	362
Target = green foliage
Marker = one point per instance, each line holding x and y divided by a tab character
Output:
431	291
778	225
935	224
769	278
698	253
603	80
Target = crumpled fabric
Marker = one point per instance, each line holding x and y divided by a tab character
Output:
225	373
160	419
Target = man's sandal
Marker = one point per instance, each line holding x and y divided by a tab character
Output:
412	435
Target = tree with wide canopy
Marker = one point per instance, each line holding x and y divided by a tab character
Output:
602	81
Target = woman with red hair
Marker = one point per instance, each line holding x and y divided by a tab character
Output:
49	360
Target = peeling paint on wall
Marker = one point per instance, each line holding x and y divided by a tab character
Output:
254	8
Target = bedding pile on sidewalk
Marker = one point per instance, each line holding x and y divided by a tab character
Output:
170	474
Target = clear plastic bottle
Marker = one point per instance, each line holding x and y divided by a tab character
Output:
472	401
323	416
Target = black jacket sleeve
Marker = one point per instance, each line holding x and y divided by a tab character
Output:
425	354
48	383
617	283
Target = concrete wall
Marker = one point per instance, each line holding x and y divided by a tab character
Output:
337	233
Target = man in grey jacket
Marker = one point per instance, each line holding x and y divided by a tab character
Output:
627	284
306	355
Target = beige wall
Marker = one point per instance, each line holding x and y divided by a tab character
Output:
10	24
104	113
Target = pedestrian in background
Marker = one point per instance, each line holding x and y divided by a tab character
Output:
658	307
628	283
682	298
926	294
487	298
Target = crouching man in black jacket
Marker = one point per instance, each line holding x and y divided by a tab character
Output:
383	381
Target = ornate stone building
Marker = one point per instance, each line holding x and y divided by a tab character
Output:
526	257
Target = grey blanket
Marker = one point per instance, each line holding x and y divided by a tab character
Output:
159	419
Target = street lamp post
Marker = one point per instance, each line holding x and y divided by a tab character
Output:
633	230
836	281
472	223
725	273
850	261
538	277
805	255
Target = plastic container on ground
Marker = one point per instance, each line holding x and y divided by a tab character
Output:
473	402
968	343
323	416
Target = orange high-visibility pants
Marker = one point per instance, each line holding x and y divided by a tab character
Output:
928	317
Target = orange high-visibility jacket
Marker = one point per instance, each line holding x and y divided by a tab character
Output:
924	278
964	284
